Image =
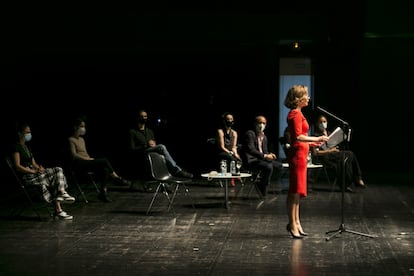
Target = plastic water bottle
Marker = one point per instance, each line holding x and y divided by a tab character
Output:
223	167
309	158
233	167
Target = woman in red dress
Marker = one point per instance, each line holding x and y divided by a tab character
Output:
298	127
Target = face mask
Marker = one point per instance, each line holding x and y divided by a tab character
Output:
81	131
261	127
27	137
323	125
143	120
229	123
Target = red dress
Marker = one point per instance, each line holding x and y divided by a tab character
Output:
298	153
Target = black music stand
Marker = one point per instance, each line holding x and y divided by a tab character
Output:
341	229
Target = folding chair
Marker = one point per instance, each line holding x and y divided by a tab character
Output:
90	177
76	176
252	182
162	176
30	202
255	180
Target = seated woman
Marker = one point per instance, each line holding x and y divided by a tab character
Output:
227	139
51	180
83	162
332	157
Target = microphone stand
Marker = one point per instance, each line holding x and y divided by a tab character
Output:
341	229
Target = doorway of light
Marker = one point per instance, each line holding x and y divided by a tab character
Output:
292	71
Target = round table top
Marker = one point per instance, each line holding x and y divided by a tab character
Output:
309	166
227	176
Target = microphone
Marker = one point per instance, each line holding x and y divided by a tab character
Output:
345	124
349	135
321	109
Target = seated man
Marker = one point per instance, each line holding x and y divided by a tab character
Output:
142	141
257	155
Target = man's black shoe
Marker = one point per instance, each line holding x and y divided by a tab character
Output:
185	174
349	190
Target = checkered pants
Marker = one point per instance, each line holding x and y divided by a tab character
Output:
51	181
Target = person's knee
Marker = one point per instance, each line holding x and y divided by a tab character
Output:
162	148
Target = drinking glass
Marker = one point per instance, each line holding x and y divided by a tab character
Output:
238	166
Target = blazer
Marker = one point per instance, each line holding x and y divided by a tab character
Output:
251	147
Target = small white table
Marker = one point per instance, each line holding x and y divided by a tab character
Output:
226	179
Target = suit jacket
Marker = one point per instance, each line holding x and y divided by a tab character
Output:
251	147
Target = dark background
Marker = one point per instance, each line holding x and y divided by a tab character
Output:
187	63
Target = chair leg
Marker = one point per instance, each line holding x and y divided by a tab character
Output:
78	186
82	192
90	174
153	197
255	186
29	204
161	185
177	186
187	192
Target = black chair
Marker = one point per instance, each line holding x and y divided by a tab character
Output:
79	178
254	180
163	178
30	196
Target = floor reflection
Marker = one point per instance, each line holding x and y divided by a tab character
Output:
297	265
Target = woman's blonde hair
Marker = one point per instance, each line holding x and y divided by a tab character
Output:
295	95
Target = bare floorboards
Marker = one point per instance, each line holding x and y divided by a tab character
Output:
249	238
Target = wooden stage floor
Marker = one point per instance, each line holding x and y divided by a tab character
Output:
249	238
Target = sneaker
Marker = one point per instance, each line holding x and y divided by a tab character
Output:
65	198
185	174
63	215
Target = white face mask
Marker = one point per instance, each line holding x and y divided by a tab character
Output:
261	127
81	131
323	125
27	137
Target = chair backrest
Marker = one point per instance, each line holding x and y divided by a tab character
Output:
9	163
159	168
283	141
27	189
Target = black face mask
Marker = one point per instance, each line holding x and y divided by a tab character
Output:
229	123
143	120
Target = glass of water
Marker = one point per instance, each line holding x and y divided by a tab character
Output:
238	166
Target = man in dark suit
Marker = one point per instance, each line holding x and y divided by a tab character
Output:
257	155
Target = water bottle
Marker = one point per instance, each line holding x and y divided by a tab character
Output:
310	158
233	167
223	167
